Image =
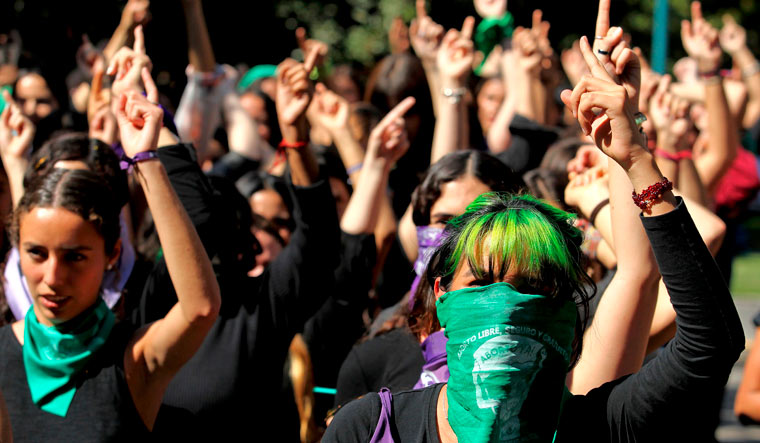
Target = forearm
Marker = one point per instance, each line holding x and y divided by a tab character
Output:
747	403
499	137
119	38
745	61
434	84
350	151
186	260
364	206
200	52
523	91
723	137
447	123
539	100
303	166
615	344
15	168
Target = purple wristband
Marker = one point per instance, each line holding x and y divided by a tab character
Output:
127	162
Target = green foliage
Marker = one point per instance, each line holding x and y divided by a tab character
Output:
355	30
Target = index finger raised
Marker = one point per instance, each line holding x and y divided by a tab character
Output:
311	58
398	111
593	63
603	18
139	45
421	10
151	91
467	27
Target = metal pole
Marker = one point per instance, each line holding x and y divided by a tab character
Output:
660	35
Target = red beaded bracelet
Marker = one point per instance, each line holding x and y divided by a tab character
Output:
650	195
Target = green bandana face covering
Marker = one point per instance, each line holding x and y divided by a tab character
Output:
508	355
54	355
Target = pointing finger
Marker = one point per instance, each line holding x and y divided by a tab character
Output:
467	27
151	92
139	46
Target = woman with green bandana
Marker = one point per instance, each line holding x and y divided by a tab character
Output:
68	371
508	281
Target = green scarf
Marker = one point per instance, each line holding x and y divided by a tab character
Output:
508	355
54	355
490	32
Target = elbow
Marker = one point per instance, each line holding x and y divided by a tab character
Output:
715	235
206	313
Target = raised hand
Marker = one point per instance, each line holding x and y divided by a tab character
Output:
139	118
293	87
573	63
127	65
700	40
457	53
104	127
398	36
136	12
490	8
590	186
733	38
16	131
99	97
388	140
309	44
605	38
669	116
328	109
613	130
425	35
525	51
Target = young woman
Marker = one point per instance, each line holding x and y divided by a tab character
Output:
67	371
506	279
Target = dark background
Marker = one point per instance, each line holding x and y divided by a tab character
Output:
250	32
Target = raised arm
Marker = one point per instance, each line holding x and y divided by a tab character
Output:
425	36
160	349
733	39
454	63
387	143
700	40
135	13
666	397
615	343
16	135
294	91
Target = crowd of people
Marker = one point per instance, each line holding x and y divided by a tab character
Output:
479	239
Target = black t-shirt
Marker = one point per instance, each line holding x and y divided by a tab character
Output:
102	408
393	360
671	398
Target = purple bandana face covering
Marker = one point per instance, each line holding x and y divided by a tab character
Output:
435	370
428	239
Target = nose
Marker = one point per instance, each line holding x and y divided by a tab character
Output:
30	106
55	273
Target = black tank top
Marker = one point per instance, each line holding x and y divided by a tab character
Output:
102	408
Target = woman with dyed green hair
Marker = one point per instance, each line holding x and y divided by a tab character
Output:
508	282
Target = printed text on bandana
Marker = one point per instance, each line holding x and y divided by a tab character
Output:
514	330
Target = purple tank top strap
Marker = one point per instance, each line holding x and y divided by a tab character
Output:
383	429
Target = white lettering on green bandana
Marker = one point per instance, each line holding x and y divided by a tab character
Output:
507	354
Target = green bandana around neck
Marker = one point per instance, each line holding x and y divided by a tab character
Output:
489	33
54	355
508	355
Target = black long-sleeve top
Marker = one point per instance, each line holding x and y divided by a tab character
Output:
665	401
229	387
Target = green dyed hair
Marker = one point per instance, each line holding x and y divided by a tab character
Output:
506	237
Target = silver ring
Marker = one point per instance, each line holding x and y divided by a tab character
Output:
599	37
599	51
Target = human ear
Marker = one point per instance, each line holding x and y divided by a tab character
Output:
113	258
437	289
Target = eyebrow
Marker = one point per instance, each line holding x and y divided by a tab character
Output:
65	248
